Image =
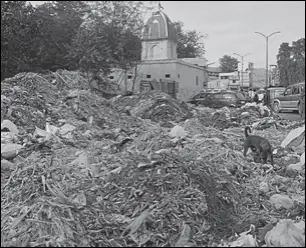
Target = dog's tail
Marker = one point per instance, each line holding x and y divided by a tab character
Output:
246	133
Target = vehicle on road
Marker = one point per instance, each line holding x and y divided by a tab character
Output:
214	90
273	93
223	99
198	97
290	99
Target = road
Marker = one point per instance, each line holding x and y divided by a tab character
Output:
290	116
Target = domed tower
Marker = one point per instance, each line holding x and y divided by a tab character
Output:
158	40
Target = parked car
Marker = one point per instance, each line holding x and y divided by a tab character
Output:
290	99
214	90
224	99
198	97
273	93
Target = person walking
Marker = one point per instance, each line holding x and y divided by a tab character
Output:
265	99
256	98
251	94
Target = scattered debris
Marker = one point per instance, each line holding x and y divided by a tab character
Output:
282	200
77	168
285	234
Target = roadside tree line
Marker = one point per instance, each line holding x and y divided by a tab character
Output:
92	36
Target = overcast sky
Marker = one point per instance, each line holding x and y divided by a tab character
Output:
230	26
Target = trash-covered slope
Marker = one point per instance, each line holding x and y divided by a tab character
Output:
140	170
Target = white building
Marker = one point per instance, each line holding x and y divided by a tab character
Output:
160	68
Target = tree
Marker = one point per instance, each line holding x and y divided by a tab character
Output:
284	63
110	37
59	23
18	32
298	53
291	62
189	43
37	38
228	63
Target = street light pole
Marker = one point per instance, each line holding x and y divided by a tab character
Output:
242	56
267	54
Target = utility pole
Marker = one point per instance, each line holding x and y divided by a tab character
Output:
241	56
267	54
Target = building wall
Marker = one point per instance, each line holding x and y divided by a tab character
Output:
190	78
213	73
117	77
218	84
259	77
246	79
157	50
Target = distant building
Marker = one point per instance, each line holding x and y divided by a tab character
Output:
259	77
244	82
274	77
213	72
231	81
160	69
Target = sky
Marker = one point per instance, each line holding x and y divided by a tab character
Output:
230	26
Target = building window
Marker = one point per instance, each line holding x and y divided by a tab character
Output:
111	77
167	75
178	76
197	80
148	76
129	77
152	51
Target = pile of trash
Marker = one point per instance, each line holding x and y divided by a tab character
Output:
154	105
98	172
233	117
256	115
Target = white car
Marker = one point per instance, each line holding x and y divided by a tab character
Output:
214	90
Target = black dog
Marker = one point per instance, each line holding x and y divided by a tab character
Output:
257	143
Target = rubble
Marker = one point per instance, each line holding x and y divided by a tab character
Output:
285	234
141	170
154	105
294	138
281	200
9	151
10	126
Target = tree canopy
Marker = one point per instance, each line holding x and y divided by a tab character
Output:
228	63
190	43
87	35
291	62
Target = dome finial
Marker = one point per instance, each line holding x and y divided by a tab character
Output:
159	6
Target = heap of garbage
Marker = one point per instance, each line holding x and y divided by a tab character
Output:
88	171
154	105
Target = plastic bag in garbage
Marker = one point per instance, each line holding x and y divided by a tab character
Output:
285	234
